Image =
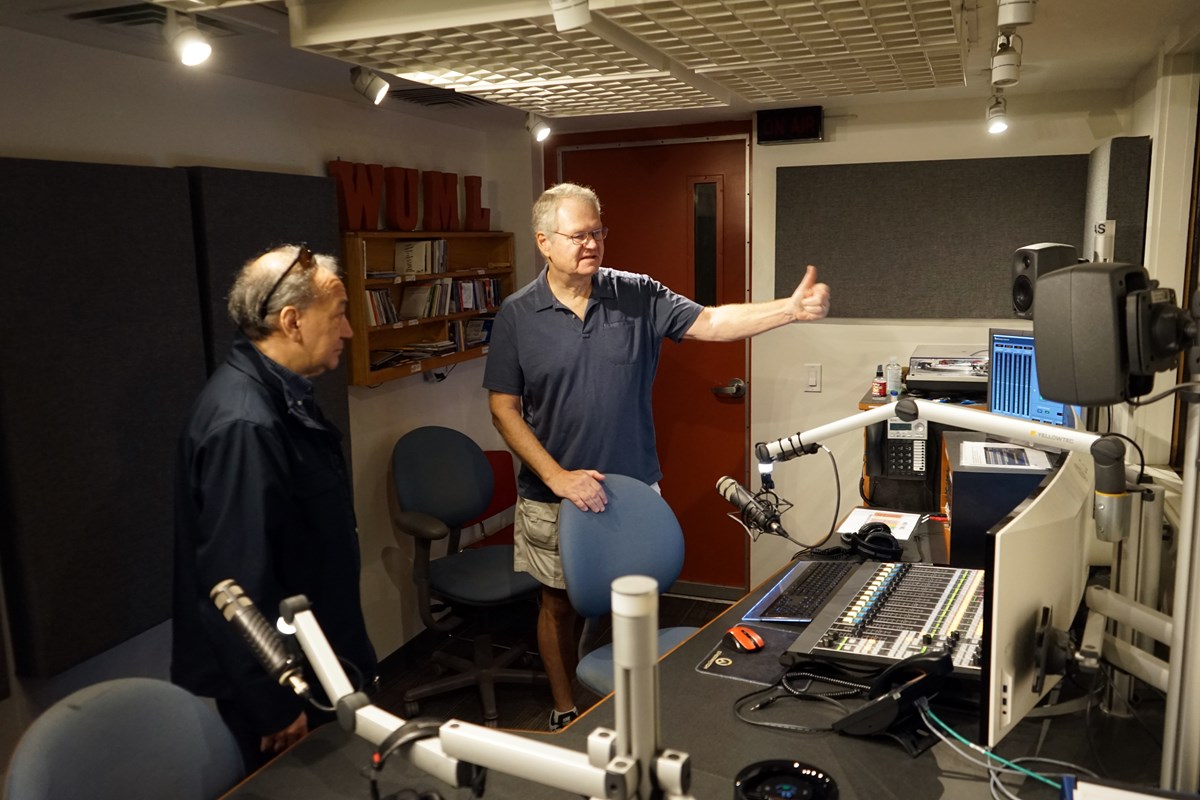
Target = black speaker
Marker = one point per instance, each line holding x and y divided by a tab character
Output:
1081	335
1030	263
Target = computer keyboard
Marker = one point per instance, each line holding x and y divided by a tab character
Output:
807	595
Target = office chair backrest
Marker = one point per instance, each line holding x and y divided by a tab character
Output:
131	737
443	473
636	534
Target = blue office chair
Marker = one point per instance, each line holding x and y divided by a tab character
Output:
439	479
636	534
131	737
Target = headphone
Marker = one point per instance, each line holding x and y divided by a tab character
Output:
875	541
407	734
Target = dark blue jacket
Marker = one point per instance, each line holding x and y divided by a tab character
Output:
262	496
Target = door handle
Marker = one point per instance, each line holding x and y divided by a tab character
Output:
735	388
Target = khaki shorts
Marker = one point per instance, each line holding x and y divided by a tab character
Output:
535	541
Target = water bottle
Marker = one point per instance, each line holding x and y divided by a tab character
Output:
893	379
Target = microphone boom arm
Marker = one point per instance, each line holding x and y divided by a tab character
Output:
623	764
1113	503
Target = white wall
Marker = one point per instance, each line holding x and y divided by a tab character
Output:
128	110
849	349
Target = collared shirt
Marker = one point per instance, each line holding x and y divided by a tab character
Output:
297	391
585	384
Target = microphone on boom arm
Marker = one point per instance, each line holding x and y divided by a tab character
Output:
758	514
263	638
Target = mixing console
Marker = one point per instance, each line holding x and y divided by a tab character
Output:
885	613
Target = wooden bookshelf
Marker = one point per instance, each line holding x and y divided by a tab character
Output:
475	257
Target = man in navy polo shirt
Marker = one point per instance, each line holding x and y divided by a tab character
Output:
569	372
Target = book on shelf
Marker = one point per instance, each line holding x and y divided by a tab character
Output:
441	300
437	348
380	308
420	256
478	330
412	257
415	302
437	255
465	292
388	358
376	274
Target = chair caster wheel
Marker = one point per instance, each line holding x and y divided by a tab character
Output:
411	708
491	723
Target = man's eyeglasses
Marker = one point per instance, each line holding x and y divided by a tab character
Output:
304	258
581	238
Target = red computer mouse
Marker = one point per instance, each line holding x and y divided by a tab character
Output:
743	639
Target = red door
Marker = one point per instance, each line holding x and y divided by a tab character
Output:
677	211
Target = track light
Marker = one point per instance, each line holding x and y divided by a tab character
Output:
1006	60
183	35
1013	13
569	14
369	85
997	114
537	127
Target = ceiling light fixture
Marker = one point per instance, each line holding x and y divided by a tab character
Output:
369	85
997	114
1006	60
1015	12
570	14
187	40
538	128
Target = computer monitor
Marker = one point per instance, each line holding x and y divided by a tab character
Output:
1012	386
1039	566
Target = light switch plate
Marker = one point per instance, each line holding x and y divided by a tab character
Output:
812	377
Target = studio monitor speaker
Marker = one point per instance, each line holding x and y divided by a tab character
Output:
1029	264
1081	334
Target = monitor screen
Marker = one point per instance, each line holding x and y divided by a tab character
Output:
1012	385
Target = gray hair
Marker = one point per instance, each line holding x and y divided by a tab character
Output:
256	279
545	210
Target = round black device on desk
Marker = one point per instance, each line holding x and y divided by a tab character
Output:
779	779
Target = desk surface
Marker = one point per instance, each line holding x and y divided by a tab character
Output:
696	717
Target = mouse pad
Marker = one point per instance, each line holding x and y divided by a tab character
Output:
759	667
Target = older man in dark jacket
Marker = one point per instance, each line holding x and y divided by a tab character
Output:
263	496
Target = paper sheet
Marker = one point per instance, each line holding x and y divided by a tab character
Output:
901	523
1003	455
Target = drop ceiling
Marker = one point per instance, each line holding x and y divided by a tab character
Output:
691	59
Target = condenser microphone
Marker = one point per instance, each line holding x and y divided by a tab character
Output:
756	514
263	638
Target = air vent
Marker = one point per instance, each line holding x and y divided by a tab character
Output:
145	20
435	97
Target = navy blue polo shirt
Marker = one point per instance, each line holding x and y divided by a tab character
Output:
585	386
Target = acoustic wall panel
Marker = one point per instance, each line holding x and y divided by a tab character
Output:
926	239
240	214
1119	190
102	359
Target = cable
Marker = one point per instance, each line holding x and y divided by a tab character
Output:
1155	398
928	715
773	696
1141	455
837	508
358	686
837	500
854	681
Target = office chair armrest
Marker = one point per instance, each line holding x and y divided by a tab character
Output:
420	525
